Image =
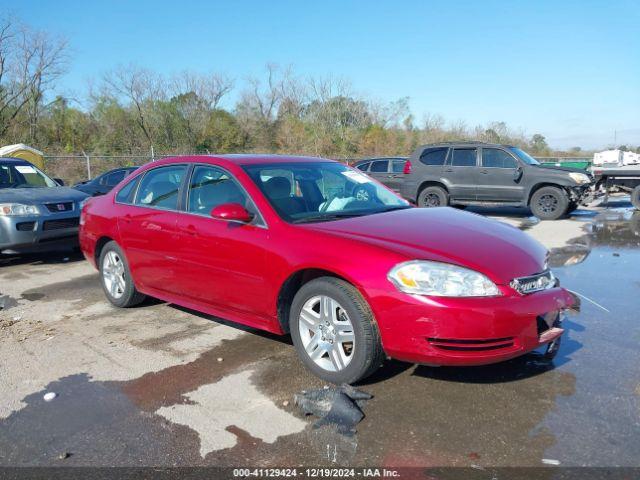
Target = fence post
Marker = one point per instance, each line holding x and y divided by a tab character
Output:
153	159
88	165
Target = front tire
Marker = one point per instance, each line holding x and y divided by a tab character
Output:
433	197
549	203
334	332
116	279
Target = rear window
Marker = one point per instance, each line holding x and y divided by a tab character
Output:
398	166
379	166
464	157
363	166
434	156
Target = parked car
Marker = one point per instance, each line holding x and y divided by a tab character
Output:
282	244
388	171
486	174
36	212
104	183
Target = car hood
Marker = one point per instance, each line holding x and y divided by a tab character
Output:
498	250
41	195
561	169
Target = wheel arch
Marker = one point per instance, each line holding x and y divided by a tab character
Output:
102	241
431	183
292	285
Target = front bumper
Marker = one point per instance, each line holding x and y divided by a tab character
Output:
580	195
469	331
38	232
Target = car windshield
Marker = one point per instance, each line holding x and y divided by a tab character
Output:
524	156
322	191
16	175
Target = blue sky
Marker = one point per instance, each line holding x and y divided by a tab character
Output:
567	69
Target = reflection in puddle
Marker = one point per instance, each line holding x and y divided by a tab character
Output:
616	229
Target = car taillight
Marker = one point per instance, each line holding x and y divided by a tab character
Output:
407	167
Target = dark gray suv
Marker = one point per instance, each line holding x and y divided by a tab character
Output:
464	173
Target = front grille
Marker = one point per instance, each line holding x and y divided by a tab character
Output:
471	345
534	283
59	207
25	226
60	224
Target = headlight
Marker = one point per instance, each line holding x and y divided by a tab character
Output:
580	178
441	280
17	210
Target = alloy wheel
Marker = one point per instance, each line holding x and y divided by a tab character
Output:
431	200
113	274
327	333
548	203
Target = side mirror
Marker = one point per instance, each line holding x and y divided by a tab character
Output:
517	174
59	181
232	212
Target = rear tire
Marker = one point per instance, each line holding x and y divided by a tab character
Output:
433	197
549	203
334	332
635	197
116	279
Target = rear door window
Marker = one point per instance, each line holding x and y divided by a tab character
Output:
497	158
464	157
379	166
433	156
159	187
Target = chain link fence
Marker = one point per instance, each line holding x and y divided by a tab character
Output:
74	168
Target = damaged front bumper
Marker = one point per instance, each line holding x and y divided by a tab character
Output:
473	331
580	195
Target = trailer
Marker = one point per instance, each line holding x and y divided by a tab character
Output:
625	179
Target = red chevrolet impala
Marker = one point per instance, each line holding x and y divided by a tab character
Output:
316	249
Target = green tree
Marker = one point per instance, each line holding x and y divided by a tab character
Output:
539	144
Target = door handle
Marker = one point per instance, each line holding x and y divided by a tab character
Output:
127	218
449	170
484	172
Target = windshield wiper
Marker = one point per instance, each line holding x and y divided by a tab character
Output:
391	209
329	216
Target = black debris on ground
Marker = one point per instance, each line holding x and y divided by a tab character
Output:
338	406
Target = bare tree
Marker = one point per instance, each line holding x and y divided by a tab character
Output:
30	63
388	114
140	87
210	87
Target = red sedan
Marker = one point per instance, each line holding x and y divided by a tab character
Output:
314	248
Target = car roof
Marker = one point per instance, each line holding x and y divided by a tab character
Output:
246	159
465	144
14	161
